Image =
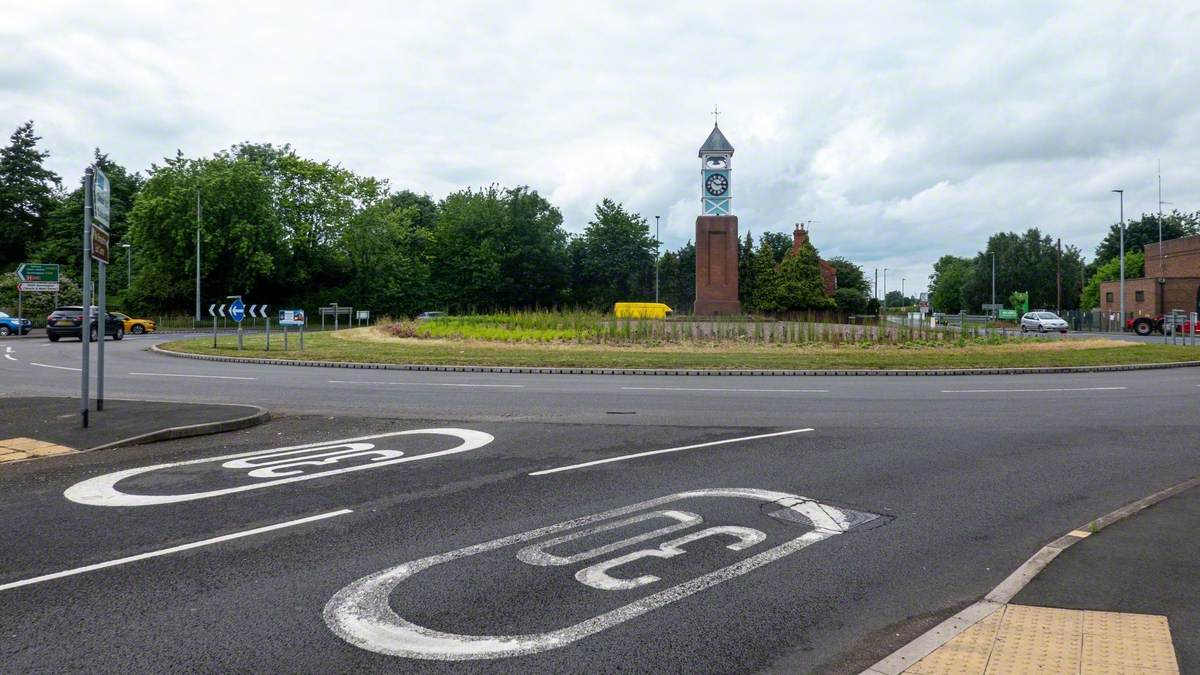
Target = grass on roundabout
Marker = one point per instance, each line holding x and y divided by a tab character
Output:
369	345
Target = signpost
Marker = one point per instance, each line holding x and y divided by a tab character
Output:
237	312
292	317
1008	314
260	311
86	314
363	315
100	198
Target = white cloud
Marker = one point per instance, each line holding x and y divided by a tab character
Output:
904	131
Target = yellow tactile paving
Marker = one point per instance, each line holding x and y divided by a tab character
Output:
23	448
967	653
1020	639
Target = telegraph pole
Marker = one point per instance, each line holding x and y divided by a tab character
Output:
1058	279
197	255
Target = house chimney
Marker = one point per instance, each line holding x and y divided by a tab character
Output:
799	237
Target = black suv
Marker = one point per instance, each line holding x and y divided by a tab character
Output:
68	322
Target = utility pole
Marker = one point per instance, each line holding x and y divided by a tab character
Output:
85	330
993	279
885	291
657	255
1122	288
1162	274
197	255
1058	279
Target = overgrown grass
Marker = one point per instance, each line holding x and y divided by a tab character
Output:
594	328
374	346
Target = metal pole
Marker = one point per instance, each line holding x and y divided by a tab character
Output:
197	255
268	320
20	314
85	328
1058	278
335	317
1122	288
285	340
993	279
128	269
658	248
102	319
301	337
214	331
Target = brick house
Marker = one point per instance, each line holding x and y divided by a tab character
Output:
1172	281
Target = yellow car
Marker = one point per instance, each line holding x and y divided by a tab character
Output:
135	326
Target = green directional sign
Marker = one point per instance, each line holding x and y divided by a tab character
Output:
38	272
1008	314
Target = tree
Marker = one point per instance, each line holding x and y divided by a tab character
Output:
389	259
613	260
853	289
26	195
677	273
950	275
1111	271
499	249
800	285
1024	262
1144	230
764	294
898	299
61	239
242	242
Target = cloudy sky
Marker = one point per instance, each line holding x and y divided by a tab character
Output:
904	131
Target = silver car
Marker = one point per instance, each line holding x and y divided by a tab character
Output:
1042	322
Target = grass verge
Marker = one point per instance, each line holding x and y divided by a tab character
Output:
365	345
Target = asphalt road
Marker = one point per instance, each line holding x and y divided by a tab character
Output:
920	494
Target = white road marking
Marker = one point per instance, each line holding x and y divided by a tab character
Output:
427	384
777	391
362	615
207	377
173	549
43	365
990	391
635	455
8	354
102	490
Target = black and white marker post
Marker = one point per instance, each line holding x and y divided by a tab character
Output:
85	329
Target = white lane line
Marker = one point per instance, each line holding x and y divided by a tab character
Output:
206	377
991	391
427	384
622	458
777	391
43	365
8	354
173	549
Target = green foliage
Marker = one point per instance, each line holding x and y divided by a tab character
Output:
1144	230
26	195
613	260
800	285
1018	300
1135	263
36	306
950	275
1026	262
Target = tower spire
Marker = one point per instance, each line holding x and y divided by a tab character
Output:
715	113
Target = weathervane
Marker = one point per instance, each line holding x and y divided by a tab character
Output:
715	112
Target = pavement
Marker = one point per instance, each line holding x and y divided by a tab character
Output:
556	523
36	426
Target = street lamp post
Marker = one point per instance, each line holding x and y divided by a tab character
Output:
657	249
198	255
128	260
993	281
1121	290
885	302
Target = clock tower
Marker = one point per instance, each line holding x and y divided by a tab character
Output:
716	230
716	158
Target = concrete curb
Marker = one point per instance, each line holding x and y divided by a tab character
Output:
904	658
671	371
257	417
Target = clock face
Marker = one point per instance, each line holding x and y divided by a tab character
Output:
716	184
717	163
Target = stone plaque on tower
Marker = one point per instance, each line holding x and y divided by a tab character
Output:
716	231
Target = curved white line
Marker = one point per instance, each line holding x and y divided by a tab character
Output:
361	615
102	490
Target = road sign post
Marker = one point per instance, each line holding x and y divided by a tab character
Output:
102	319
237	312
101	191
86	314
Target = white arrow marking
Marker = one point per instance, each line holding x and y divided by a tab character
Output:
251	312
221	311
212	309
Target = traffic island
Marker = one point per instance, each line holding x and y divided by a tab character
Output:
41	426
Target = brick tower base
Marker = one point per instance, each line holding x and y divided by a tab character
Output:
717	266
